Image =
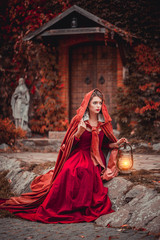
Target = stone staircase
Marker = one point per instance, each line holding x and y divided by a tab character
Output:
42	144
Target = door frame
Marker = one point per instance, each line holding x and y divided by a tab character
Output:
90	43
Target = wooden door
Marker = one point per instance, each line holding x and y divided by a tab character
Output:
92	66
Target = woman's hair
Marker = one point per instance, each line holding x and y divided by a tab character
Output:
96	93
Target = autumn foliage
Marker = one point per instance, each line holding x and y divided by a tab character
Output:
138	106
49	113
9	133
147	59
33	61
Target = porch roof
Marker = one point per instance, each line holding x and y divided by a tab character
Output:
86	23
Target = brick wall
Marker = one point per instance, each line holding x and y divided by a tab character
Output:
119	70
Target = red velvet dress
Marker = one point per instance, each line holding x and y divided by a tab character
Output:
78	193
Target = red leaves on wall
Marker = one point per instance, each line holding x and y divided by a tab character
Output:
62	85
150	105
144	87
33	89
148	61
28	82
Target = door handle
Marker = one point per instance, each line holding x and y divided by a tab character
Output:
101	80
87	80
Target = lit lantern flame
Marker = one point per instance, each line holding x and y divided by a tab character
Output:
125	161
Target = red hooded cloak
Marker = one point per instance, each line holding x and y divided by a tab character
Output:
41	185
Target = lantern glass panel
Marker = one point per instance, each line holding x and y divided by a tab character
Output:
125	159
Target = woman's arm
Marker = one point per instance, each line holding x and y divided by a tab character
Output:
118	143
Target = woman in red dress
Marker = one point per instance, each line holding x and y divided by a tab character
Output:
74	191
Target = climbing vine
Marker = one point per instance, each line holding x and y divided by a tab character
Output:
33	61
138	106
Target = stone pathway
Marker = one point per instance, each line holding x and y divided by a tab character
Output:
31	157
17	229
141	161
146	162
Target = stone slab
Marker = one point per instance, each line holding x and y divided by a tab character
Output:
136	208
116	190
56	134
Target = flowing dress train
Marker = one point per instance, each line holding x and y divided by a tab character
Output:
77	194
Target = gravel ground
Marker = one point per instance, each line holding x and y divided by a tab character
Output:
17	229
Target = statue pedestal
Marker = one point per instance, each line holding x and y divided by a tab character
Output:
29	133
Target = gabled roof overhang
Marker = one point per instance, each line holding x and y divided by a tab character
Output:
88	24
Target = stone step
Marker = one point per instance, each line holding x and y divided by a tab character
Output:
39	144
56	134
42	144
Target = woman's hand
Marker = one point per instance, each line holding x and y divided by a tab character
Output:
81	126
81	129
121	141
118	143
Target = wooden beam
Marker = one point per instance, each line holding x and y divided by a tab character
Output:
101	23
75	8
70	31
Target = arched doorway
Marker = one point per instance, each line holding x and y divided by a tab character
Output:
92	66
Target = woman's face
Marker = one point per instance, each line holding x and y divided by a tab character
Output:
95	105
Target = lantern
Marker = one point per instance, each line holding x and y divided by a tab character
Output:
74	22
125	158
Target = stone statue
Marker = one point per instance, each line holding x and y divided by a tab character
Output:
20	105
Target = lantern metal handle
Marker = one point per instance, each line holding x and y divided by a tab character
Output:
125	145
